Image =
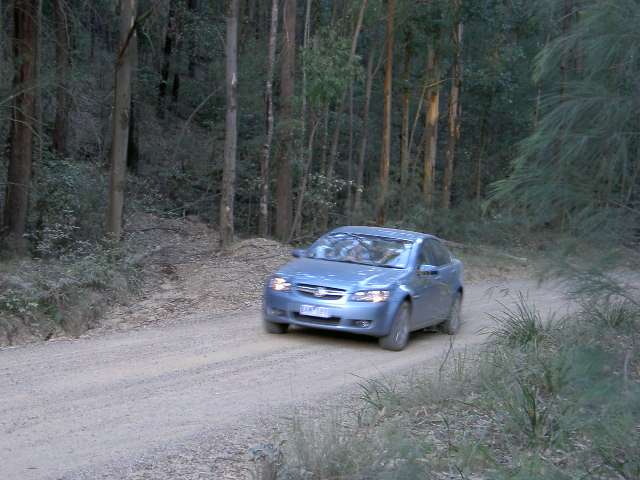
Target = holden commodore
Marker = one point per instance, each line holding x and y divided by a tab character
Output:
373	281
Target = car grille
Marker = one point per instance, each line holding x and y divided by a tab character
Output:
318	320
317	291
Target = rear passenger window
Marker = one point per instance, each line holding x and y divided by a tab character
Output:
441	255
426	254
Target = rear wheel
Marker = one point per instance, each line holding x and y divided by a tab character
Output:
278	328
398	337
452	324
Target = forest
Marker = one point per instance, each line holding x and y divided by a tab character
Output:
271	112
161	158
490	121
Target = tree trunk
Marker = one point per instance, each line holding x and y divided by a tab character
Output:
62	75
297	220
357	204
25	46
432	117
341	105
484	135
454	113
192	46
126	54
266	149
333	155
406	98
169	41
567	18
287	93
325	141
39	124
133	152
349	203
386	125
231	126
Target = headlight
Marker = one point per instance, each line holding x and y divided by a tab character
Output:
279	284
374	296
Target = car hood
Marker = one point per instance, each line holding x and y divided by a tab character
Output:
347	276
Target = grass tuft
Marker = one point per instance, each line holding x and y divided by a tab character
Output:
520	325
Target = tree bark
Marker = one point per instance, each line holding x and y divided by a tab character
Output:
126	52
263	221
357	204
133	152
304	179
454	113
386	126
25	46
287	92
432	117
333	155
349	203
231	126
62	75
406	99
567	19
341	105
192	6
169	42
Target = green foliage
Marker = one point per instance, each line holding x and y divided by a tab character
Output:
65	294
520	325
564	409
70	200
328	67
578	169
467	223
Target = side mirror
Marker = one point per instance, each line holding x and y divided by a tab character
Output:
428	269
298	252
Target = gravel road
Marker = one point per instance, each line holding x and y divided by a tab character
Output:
187	400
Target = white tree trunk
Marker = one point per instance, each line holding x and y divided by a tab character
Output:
121	115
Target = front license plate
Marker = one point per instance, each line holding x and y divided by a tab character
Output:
312	311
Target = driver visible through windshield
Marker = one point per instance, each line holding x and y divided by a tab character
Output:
362	249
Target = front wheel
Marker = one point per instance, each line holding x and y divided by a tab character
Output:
398	337
452	324
273	327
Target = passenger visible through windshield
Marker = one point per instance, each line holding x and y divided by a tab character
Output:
362	249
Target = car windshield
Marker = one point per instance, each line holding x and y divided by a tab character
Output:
362	249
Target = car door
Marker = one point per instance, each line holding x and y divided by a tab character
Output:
443	280
426	298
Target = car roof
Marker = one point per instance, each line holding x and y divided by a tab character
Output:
383	232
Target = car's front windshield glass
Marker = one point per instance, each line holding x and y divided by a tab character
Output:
362	249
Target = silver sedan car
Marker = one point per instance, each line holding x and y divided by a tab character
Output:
372	281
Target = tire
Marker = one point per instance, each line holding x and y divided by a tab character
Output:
276	328
398	336
452	324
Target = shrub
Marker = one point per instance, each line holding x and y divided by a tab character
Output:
70	201
520	325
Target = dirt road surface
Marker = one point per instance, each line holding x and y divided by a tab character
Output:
187	400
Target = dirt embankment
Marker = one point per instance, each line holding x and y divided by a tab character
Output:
185	272
166	268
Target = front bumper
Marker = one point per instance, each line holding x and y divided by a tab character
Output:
362	318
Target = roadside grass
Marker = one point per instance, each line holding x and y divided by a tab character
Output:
543	399
43	298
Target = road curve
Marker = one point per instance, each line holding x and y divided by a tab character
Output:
88	408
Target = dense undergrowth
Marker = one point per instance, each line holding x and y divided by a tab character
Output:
544	399
46	297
